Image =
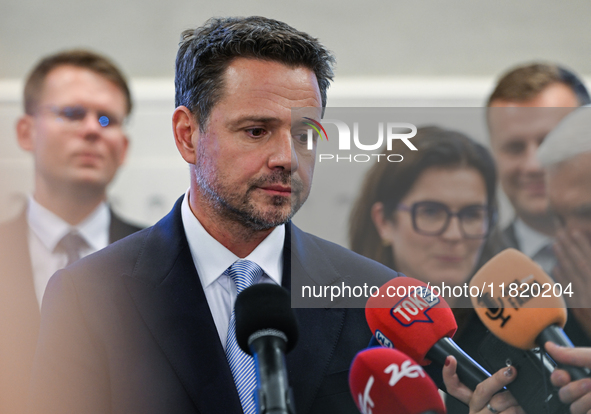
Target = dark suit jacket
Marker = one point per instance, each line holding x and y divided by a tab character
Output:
19	310
129	330
509	238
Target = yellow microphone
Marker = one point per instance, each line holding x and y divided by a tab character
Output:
520	304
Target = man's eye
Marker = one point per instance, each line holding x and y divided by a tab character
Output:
73	113
256	132
302	138
514	148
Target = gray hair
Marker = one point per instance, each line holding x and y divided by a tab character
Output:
570	138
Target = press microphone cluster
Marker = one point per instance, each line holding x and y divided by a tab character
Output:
386	381
525	319
421	325
267	329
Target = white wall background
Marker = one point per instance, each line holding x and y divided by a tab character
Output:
389	53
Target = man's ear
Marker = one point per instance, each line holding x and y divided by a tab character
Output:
25	132
186	133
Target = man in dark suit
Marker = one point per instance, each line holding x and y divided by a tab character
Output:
516	131
146	325
526	104
75	103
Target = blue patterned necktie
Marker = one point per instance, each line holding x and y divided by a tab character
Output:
244	273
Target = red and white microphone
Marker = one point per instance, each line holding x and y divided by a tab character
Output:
407	315
386	381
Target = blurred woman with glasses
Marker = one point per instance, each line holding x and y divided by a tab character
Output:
429	215
432	217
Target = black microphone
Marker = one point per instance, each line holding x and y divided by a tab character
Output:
267	329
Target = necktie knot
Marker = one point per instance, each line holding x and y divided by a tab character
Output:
244	273
72	244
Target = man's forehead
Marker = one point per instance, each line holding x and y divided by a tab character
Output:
253	70
515	122
72	77
257	83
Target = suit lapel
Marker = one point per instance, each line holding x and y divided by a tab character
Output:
319	329
168	294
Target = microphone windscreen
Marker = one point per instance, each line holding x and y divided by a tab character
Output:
408	315
517	316
386	381
264	306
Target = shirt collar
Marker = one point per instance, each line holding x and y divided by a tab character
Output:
211	258
50	228
530	241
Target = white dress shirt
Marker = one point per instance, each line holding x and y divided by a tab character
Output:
211	260
535	245
45	232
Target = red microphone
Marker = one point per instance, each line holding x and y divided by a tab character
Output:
406	314
386	381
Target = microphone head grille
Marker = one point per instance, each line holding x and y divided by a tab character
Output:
264	306
517	300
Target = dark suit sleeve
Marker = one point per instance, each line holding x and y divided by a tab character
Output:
68	376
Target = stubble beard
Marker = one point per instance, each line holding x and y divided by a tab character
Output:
242	208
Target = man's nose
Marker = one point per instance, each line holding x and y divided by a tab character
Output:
91	126
531	163
283	155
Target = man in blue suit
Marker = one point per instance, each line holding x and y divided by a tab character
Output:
143	326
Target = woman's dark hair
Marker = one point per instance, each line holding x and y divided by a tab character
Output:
388	183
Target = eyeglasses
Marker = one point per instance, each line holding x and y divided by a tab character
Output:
432	219
75	114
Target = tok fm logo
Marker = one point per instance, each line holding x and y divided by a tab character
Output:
316	126
414	308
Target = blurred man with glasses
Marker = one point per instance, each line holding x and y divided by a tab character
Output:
75	105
